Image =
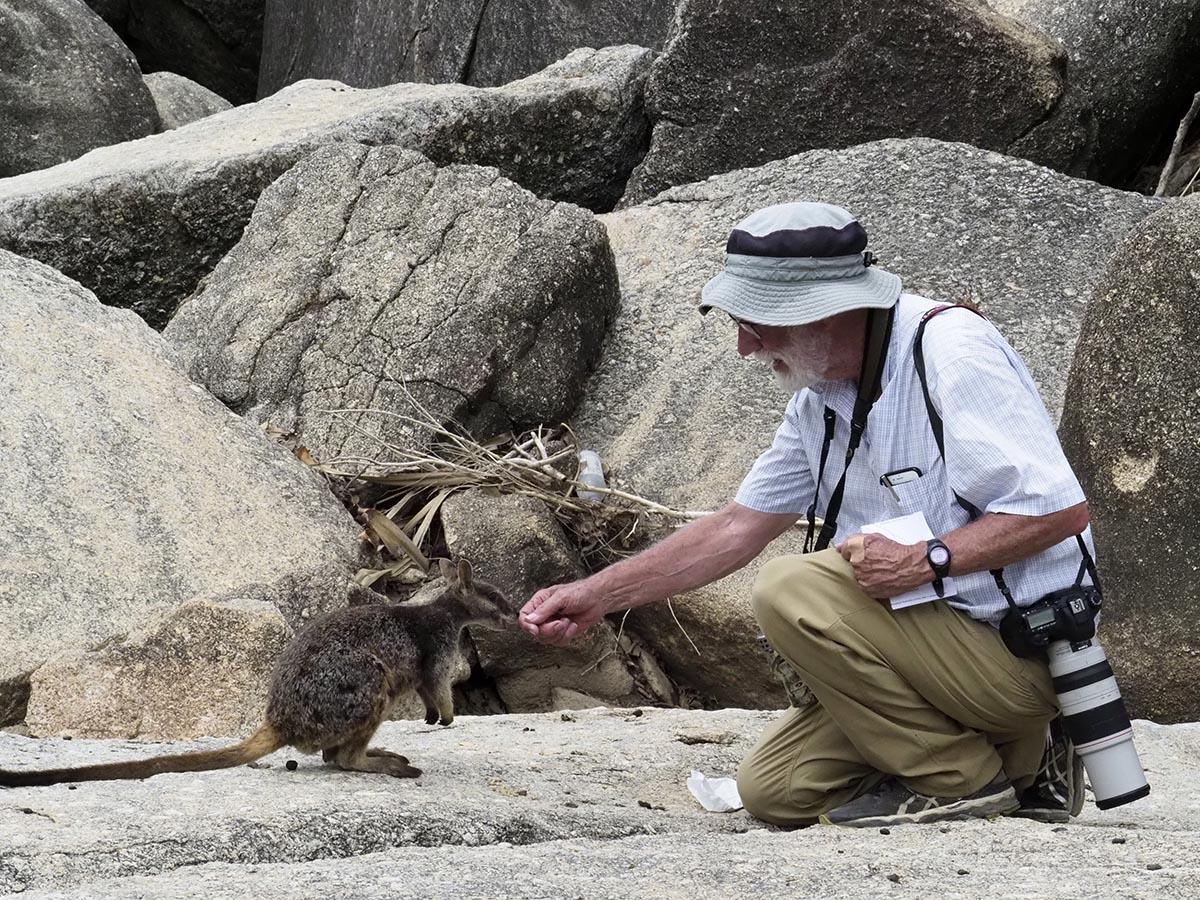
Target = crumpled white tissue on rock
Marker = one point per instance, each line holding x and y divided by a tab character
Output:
714	794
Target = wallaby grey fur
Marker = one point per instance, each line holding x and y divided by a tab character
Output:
336	681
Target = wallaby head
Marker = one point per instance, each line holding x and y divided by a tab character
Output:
485	604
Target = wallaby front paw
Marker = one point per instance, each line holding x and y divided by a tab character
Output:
431	716
446	721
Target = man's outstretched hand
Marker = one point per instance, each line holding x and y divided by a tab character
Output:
555	615
883	568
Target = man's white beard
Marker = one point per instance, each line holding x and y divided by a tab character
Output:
796	377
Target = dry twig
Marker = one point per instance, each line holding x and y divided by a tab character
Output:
1177	146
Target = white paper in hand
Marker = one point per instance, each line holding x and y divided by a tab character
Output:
910	529
715	794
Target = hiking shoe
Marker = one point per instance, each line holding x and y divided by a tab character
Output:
893	804
798	693
1056	794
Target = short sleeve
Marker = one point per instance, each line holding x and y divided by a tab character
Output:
781	480
1002	452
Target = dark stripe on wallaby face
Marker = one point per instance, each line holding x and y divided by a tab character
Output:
820	240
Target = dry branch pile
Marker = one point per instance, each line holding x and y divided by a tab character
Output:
399	492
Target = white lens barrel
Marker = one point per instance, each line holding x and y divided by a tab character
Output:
1096	721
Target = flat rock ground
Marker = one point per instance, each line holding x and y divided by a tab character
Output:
588	804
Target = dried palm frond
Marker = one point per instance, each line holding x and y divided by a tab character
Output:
407	485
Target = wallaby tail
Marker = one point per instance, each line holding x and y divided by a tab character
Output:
265	740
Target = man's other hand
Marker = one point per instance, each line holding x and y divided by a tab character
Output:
883	568
555	615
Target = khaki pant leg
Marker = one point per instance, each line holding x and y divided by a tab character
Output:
801	767
921	693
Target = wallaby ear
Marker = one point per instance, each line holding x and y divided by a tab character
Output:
447	570
464	574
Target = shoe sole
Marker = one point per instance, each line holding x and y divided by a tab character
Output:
1049	816
978	808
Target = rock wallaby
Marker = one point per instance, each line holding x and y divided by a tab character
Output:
336	681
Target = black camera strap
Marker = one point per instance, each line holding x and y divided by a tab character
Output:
870	385
830	422
1087	564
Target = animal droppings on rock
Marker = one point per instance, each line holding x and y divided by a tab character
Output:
291	765
885	831
963	872
1154	867
1059	828
1118	840
894	878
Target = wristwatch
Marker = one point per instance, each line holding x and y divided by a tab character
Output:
938	555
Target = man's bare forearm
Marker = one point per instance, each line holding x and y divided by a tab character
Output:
997	539
696	555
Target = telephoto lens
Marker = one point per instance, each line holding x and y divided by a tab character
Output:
1096	721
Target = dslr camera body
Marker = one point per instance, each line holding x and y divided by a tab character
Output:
1065	615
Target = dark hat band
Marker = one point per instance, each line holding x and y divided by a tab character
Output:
818	241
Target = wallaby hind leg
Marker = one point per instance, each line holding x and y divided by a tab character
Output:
379	751
353	753
356	756
329	754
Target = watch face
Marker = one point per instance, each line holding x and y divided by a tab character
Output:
939	556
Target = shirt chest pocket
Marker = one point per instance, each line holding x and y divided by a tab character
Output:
916	489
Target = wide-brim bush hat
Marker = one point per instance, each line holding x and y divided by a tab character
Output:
795	263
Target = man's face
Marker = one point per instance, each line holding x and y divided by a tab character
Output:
799	355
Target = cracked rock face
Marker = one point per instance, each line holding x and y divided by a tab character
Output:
367	276
140	224
67	85
126	490
481	42
181	101
1133	65
1130	429
740	84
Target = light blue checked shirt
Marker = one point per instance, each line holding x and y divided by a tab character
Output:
1002	452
